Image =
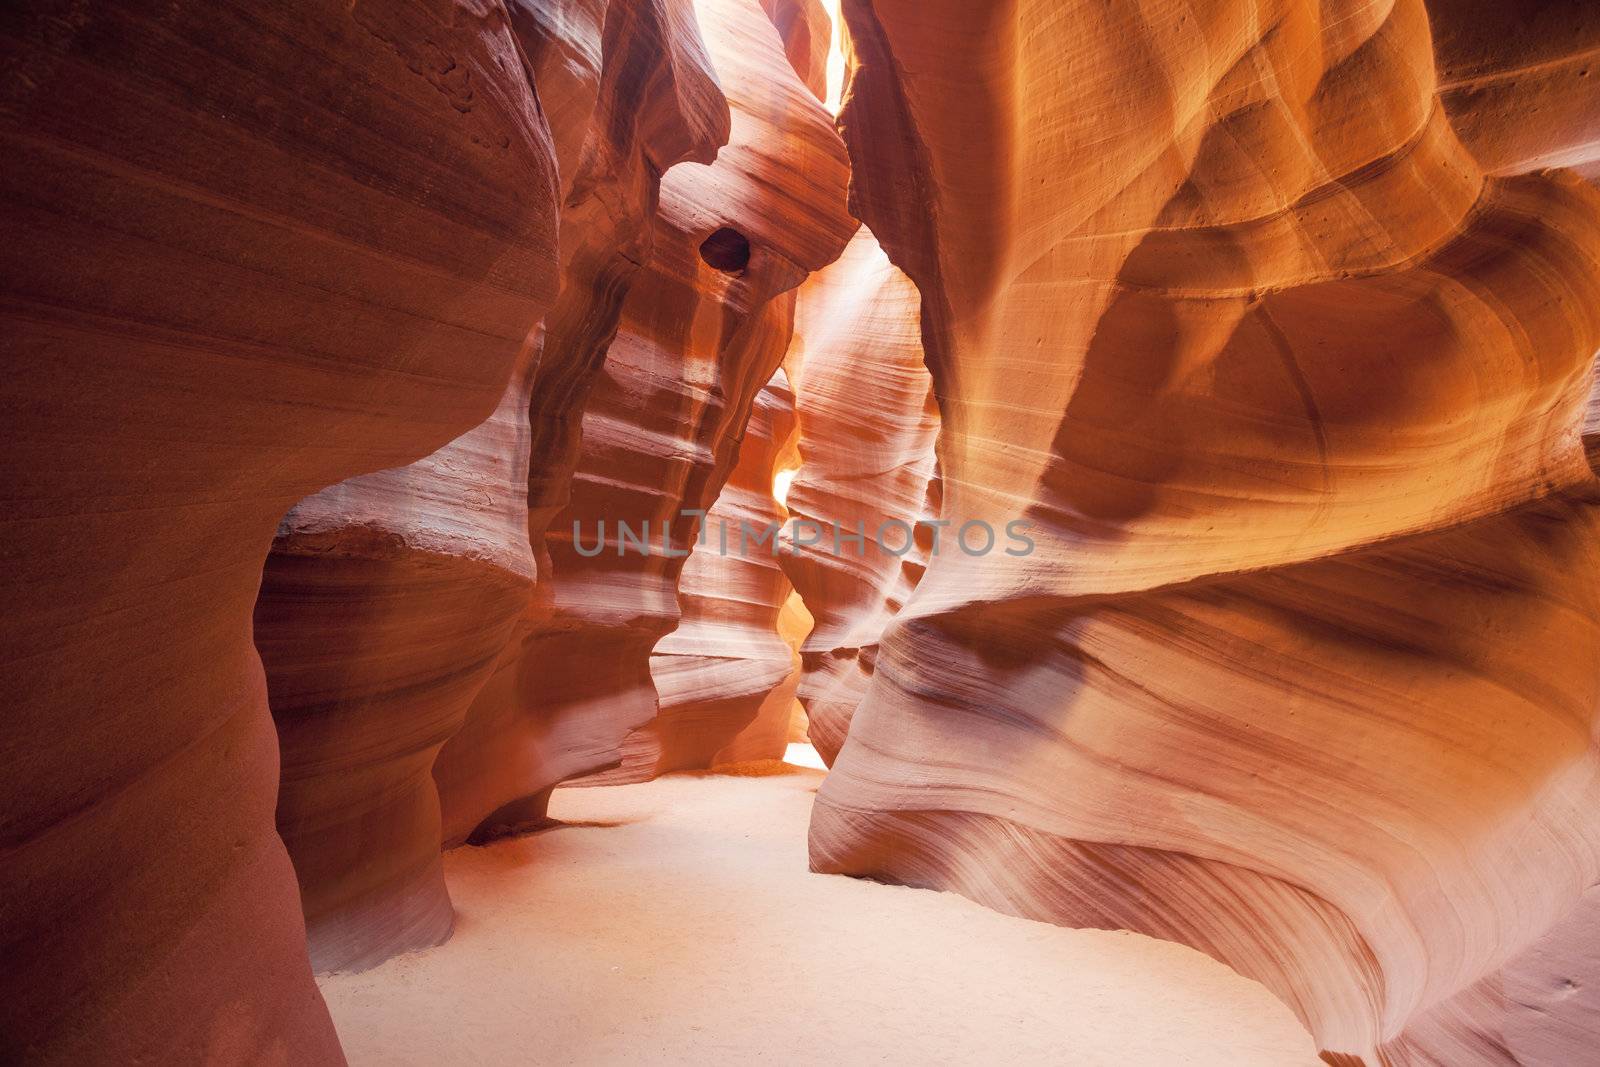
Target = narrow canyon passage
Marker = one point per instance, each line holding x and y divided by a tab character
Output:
1143	451
676	922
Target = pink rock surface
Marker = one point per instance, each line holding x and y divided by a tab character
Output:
250	251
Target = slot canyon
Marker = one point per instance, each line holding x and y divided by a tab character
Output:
871	531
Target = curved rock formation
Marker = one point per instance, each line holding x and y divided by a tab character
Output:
807	31
703	327
1539	1010
250	252
725	678
1289	394
1521	81
383	606
388	598
867	429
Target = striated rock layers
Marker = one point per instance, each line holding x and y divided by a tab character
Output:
725	678
250	251
702	328
388	598
1303	670
1520	80
867	429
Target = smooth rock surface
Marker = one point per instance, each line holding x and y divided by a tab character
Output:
867	477
725	678
250	251
1291	393
1521	82
388	599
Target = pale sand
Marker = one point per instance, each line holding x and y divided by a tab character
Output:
676	922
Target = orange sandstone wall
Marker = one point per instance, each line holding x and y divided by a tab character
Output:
725	678
1304	670
1520	81
702	328
867	428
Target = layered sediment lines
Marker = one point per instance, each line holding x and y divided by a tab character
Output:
702	328
249	253
725	678
1521	81
1304	667
388	599
867	429
383	606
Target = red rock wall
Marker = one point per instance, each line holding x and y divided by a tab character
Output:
1303	671
867	430
388	598
251	251
702	328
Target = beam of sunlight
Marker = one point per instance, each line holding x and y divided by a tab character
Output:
803	755
835	56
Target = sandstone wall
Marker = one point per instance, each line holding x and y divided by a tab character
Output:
867	430
387	599
701	330
250	251
1303	671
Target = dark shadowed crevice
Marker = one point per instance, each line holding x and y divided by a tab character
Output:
727	250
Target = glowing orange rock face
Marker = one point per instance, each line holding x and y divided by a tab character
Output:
807	32
250	252
1303	670
703	327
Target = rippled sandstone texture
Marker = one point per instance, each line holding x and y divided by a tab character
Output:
1304	669
250	252
702	328
388	598
868	423
725	678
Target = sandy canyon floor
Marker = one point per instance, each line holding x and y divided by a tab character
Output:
676	922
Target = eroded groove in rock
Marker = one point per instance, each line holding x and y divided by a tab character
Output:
388	598
250	251
1290	393
867	428
660	433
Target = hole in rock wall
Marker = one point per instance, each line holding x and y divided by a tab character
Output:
727	250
